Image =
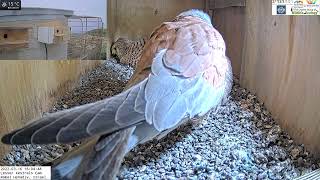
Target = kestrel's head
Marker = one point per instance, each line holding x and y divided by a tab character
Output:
196	13
118	48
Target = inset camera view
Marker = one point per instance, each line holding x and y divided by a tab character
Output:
54	30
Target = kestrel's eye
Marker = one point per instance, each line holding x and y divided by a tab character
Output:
114	50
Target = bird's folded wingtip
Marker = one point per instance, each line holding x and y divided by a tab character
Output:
6	139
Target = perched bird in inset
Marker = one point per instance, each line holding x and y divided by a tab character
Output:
183	73
128	51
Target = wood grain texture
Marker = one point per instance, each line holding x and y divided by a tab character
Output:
230	23
281	61
29	88
137	18
207	5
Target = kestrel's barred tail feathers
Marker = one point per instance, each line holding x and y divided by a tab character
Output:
128	51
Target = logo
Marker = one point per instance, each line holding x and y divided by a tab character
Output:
282	1
312	1
298	2
304	11
4	4
281	9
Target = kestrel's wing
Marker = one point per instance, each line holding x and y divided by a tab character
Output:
102	117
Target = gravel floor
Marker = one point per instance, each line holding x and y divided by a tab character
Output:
239	141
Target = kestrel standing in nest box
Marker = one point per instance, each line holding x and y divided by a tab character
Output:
183	73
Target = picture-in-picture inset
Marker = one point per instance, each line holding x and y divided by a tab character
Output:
54	30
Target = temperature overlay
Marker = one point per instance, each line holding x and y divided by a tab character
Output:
10	4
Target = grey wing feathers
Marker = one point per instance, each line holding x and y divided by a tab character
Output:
102	117
140	103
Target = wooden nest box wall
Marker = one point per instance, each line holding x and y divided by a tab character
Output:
276	57
29	88
11	38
